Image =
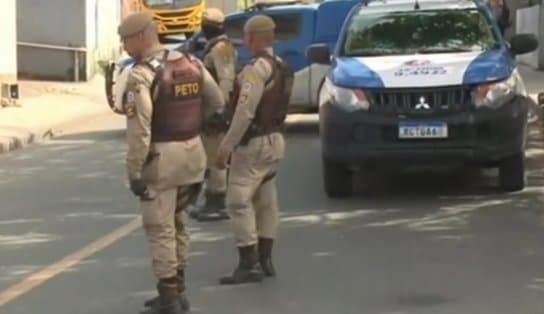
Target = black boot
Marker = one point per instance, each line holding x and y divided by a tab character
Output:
247	270
214	208
168	300
181	290
265	256
184	302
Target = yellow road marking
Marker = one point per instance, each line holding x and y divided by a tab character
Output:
53	270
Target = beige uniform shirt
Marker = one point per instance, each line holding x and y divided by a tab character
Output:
252	80
172	163
222	58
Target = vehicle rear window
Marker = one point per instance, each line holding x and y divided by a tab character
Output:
288	26
432	31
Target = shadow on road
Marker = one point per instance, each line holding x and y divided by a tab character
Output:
103	135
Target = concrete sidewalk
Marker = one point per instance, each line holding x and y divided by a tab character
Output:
534	80
46	109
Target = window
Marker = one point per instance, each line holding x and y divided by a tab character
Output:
235	28
288	27
170	4
433	31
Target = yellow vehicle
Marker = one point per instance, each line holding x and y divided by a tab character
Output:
174	16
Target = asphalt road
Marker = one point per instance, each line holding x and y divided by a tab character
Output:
421	243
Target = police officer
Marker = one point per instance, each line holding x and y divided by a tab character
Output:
255	145
168	96
219	58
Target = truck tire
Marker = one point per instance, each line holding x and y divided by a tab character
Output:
512	173
338	179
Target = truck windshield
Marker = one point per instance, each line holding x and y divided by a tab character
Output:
433	31
170	4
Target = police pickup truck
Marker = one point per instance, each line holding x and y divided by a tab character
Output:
298	25
427	83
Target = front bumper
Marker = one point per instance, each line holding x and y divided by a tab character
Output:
483	136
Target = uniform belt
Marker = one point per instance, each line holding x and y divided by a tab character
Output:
253	132
180	137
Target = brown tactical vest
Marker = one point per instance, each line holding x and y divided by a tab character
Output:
272	109
208	49
177	113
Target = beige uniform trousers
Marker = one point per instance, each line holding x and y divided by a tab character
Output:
167	232
216	181
170	174
251	200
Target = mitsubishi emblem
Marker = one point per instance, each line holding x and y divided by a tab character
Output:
422	104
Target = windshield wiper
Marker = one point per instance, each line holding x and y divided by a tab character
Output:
443	50
371	52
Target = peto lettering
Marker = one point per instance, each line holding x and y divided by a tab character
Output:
186	89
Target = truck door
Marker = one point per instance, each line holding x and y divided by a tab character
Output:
294	32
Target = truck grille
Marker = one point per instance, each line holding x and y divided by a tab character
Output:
419	100
174	15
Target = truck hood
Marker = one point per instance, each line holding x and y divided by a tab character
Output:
423	70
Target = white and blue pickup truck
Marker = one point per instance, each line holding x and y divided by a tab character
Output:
427	83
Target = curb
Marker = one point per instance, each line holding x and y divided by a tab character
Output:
22	139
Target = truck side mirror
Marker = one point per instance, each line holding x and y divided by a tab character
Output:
319	53
523	43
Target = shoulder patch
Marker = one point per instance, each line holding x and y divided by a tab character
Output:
224	51
129	103
246	86
262	68
249	75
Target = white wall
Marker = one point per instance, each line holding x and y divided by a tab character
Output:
53	22
103	18
527	20
8	44
91	24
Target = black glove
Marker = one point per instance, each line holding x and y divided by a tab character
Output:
138	187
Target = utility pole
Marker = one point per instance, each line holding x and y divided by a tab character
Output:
8	47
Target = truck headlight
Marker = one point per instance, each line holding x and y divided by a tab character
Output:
494	95
346	98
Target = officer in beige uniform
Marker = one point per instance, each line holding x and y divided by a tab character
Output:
255	145
167	98
219	58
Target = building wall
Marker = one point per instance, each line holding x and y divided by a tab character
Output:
52	22
527	22
91	24
8	44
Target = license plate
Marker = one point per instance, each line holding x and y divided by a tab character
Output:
411	130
